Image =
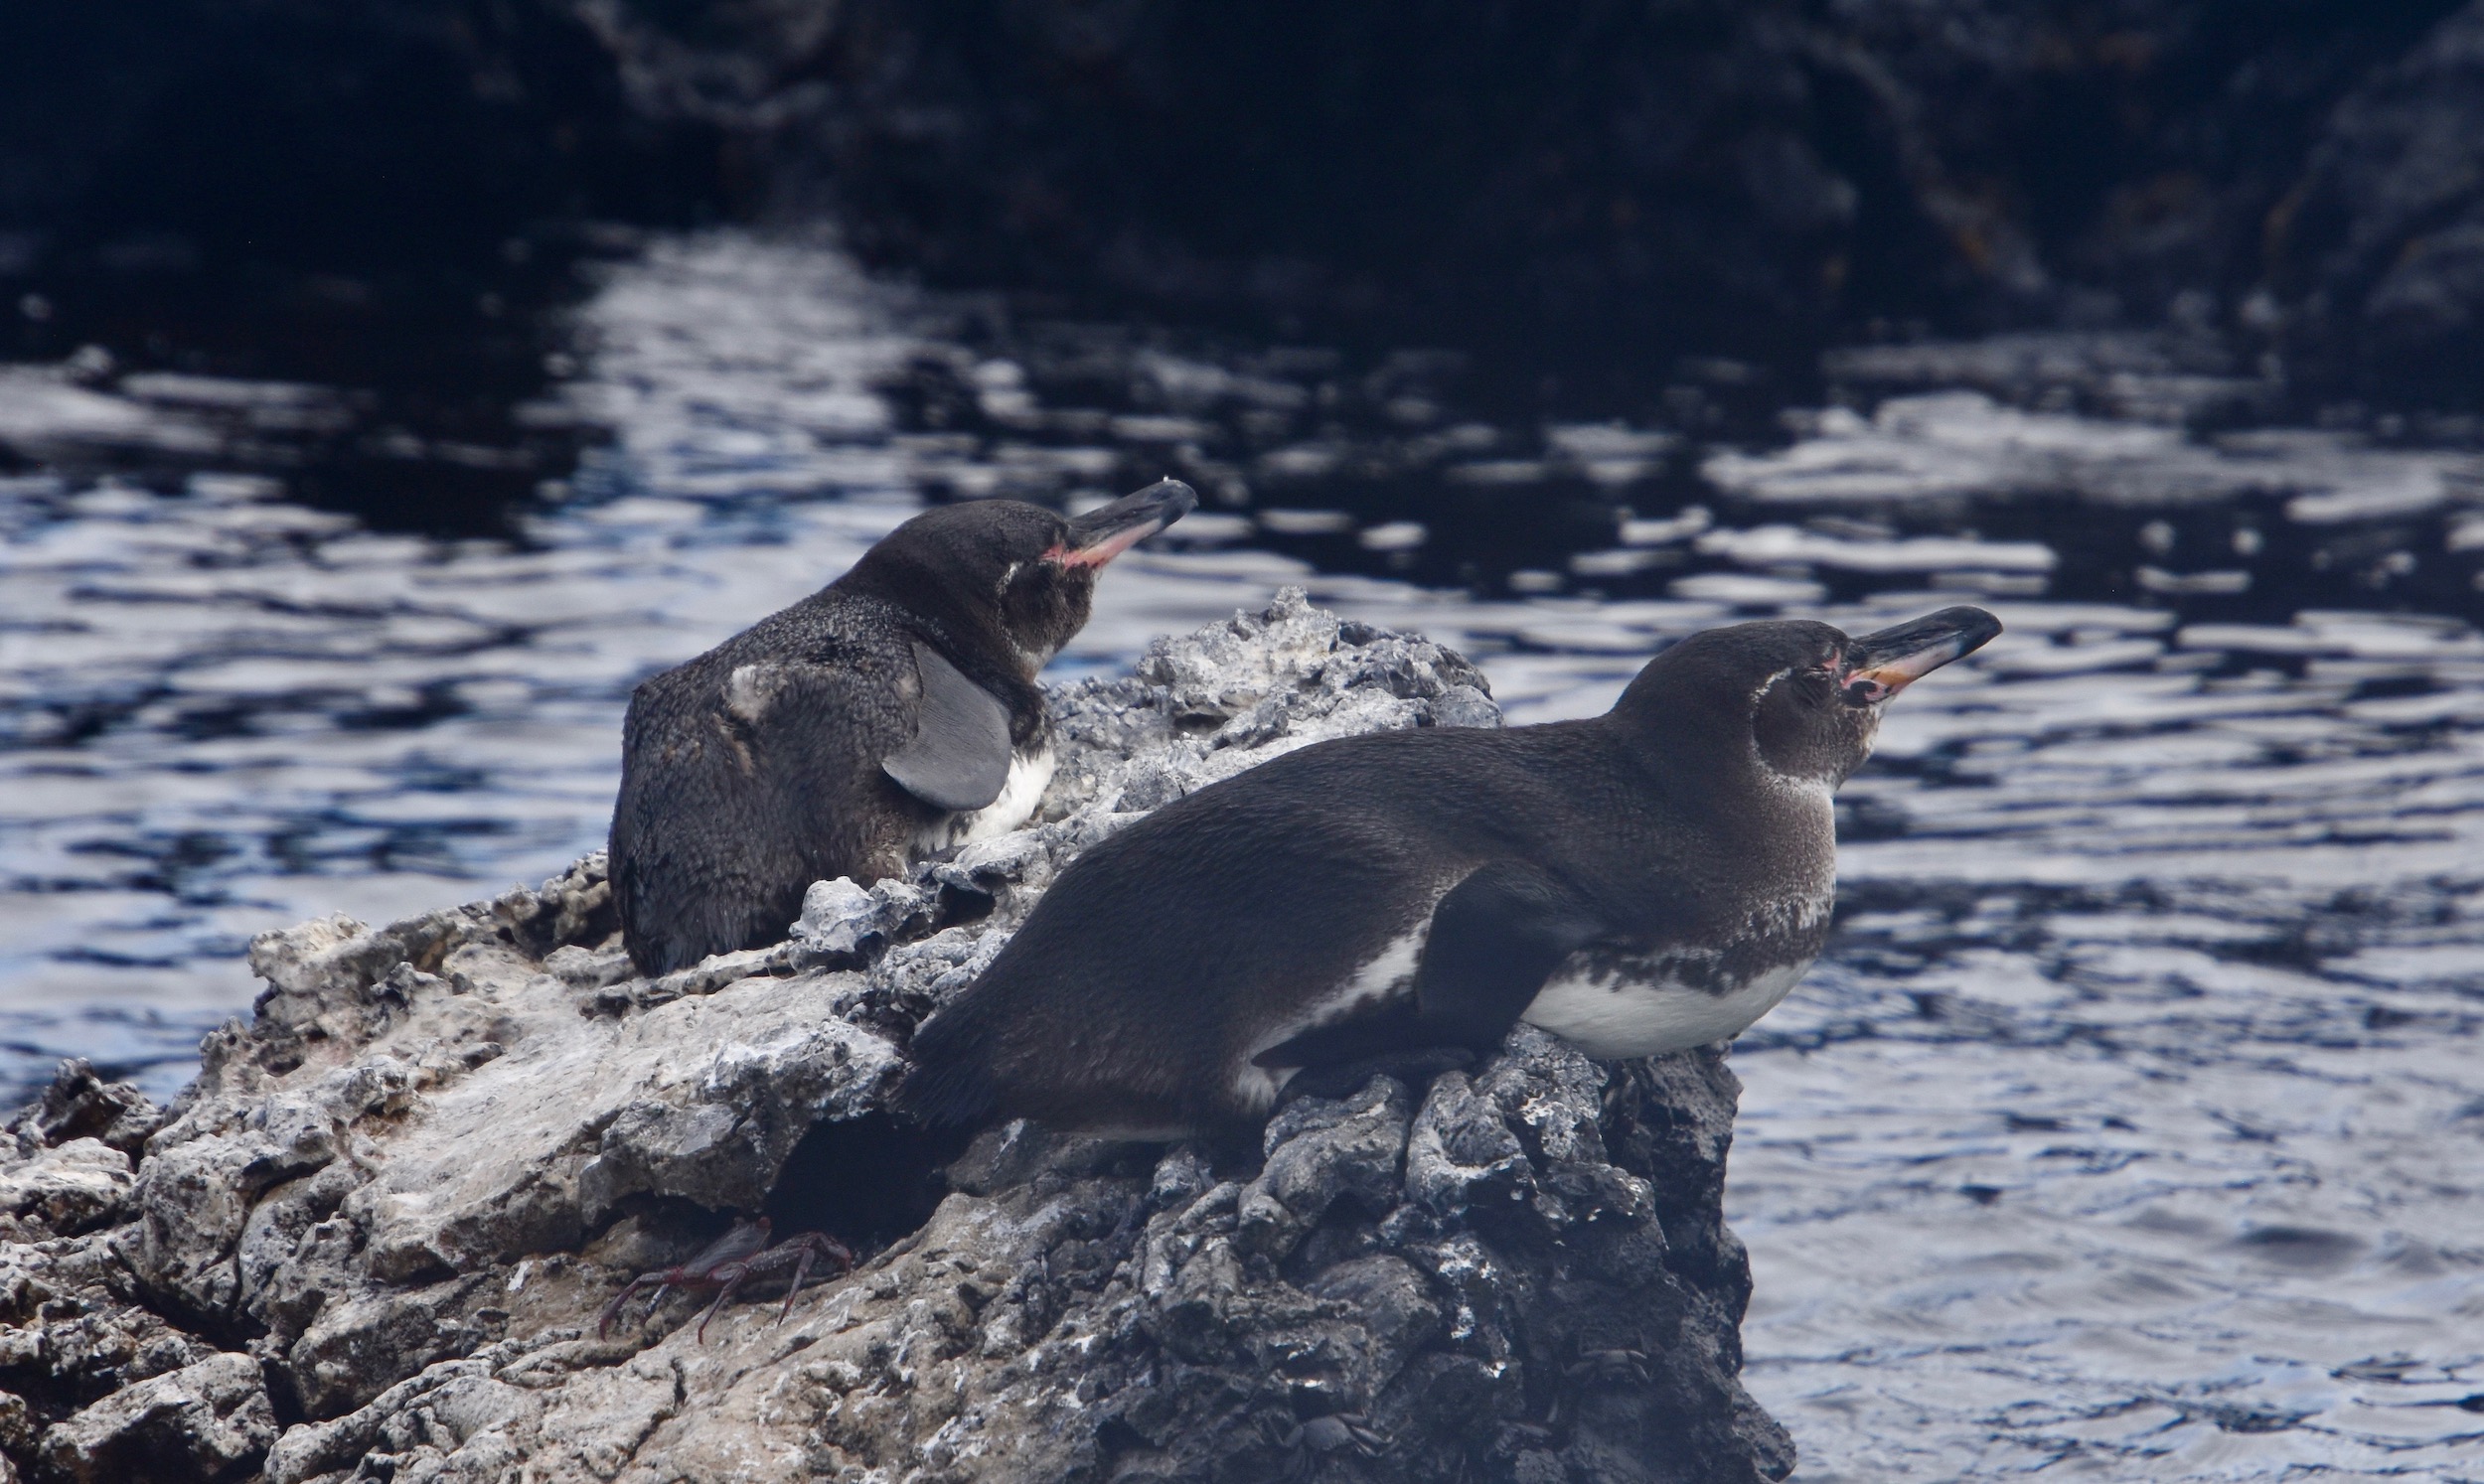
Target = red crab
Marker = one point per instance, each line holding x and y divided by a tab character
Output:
731	1260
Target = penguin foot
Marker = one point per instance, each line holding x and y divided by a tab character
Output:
1414	1065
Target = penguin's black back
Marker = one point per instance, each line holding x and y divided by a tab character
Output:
1176	945
720	827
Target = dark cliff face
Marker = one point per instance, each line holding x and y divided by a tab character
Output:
1720	176
1581	178
1713	178
395	159
2376	253
368	197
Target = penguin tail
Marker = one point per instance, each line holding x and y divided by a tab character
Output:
947	1095
945	1085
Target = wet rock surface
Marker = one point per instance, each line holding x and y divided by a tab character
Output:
372	1239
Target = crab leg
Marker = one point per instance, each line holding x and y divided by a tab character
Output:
802	1269
612	1310
731	1275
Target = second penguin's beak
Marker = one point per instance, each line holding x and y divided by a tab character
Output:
1107	531
1879	666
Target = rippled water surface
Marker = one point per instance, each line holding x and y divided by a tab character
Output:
2133	1129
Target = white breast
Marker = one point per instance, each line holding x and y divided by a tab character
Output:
1029	773
1606	1010
1608	1018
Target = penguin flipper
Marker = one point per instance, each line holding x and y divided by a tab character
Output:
959	756
1496	938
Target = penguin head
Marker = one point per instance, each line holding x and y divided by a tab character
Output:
1003	573
1806	696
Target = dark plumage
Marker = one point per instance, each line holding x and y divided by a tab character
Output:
890	713
1653	878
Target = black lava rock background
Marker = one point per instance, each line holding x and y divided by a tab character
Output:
270	182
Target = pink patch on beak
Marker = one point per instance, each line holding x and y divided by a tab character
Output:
1883	680
1104	551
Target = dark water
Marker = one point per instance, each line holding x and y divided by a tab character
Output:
2135	1126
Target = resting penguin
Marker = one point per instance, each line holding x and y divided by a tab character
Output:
1651	879
887	716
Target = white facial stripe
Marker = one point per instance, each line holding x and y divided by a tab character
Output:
1769	685
1767	770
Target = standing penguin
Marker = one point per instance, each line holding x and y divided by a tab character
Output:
1651	879
889	714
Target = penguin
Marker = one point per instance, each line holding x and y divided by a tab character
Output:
891	715
1645	881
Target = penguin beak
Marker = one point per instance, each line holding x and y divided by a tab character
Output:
1879	666
1100	534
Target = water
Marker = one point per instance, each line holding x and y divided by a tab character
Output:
2133	1127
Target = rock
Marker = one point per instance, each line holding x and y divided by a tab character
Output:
201	1423
840	921
80	1105
394	1205
448	163
1743	180
65	1190
2377	251
1464	705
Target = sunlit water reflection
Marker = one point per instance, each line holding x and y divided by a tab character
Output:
2133	1129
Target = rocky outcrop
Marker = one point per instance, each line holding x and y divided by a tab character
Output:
2379	250
1741	179
378	199
373	1240
1704	176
